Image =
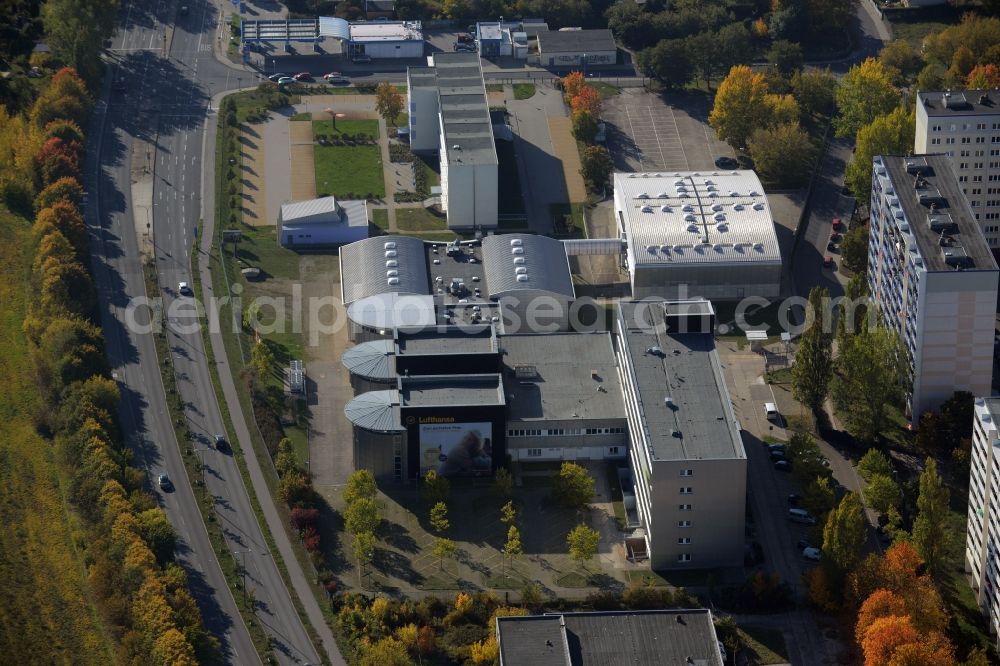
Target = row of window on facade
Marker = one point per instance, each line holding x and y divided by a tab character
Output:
561	432
965	127
537	453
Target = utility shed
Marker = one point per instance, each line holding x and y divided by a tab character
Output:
323	221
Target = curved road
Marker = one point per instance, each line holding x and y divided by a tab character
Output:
163	62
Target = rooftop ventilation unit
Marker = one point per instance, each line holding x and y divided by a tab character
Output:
393	281
678	247
665	249
391	263
651	249
662	195
642	195
716	207
693	228
758	206
518	260
758	246
389	254
678	183
515	242
916	165
754	193
517	250
520	270
522	278
456	147
720	217
722	227
647	209
391	245
718	247
690	217
738	207
665	209
734	193
688	208
392	274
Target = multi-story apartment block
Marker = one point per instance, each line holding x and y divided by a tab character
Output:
932	277
965	125
982	543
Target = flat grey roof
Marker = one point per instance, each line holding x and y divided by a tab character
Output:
450	390
576	41
960	102
444	340
698	422
636	638
461	88
574	376
948	234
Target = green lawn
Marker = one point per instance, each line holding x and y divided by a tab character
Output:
302	116
259	248
419	219
524	90
914	33
380	216
348	171
606	89
570	221
494	87
767	645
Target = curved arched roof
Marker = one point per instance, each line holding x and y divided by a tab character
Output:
367	267
376	410
543	260
392	310
372	360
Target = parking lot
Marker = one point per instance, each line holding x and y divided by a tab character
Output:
650	132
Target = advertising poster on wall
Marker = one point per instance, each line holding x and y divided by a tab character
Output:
456	449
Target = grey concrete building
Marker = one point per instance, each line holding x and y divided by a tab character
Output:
688	463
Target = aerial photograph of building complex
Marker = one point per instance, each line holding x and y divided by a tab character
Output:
453	332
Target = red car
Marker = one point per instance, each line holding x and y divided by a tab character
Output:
303	76
837	224
827	262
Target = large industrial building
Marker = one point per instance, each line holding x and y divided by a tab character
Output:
449	114
932	277
333	35
982	542
519	282
688	463
698	234
577	48
322	222
965	125
678	637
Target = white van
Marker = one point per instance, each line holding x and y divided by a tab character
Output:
771	410
801	516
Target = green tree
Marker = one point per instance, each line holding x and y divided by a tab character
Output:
76	30
867	377
512	548
873	463
865	93
882	492
439	517
786	56
584	126
503	482
436	487
813	367
888	134
740	106
573	487
596	167
262	360
703	52
364	550
582	542
508	514
931	534
668	62
360	485
854	249
158	533
782	154
814	90
362	515
844	534
733	46
387	651
285	460
389	102
818	497
444	549
901	61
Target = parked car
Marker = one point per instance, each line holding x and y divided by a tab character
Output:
361	59
220	443
813	554
832	247
776	446
466	38
277	76
828	262
285	80
462	46
163	481
783	465
837	224
184	289
334	77
801	516
726	163
778	454
794	499
303	76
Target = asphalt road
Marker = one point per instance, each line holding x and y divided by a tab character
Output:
165	102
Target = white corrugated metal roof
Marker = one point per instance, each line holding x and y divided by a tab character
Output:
375	410
696	217
385	31
331	26
383	265
307	208
522	262
371	360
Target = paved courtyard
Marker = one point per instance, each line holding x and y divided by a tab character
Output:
670	132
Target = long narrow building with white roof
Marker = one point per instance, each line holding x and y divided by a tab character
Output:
698	234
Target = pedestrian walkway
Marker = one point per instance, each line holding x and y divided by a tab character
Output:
303	170
251	178
564	145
